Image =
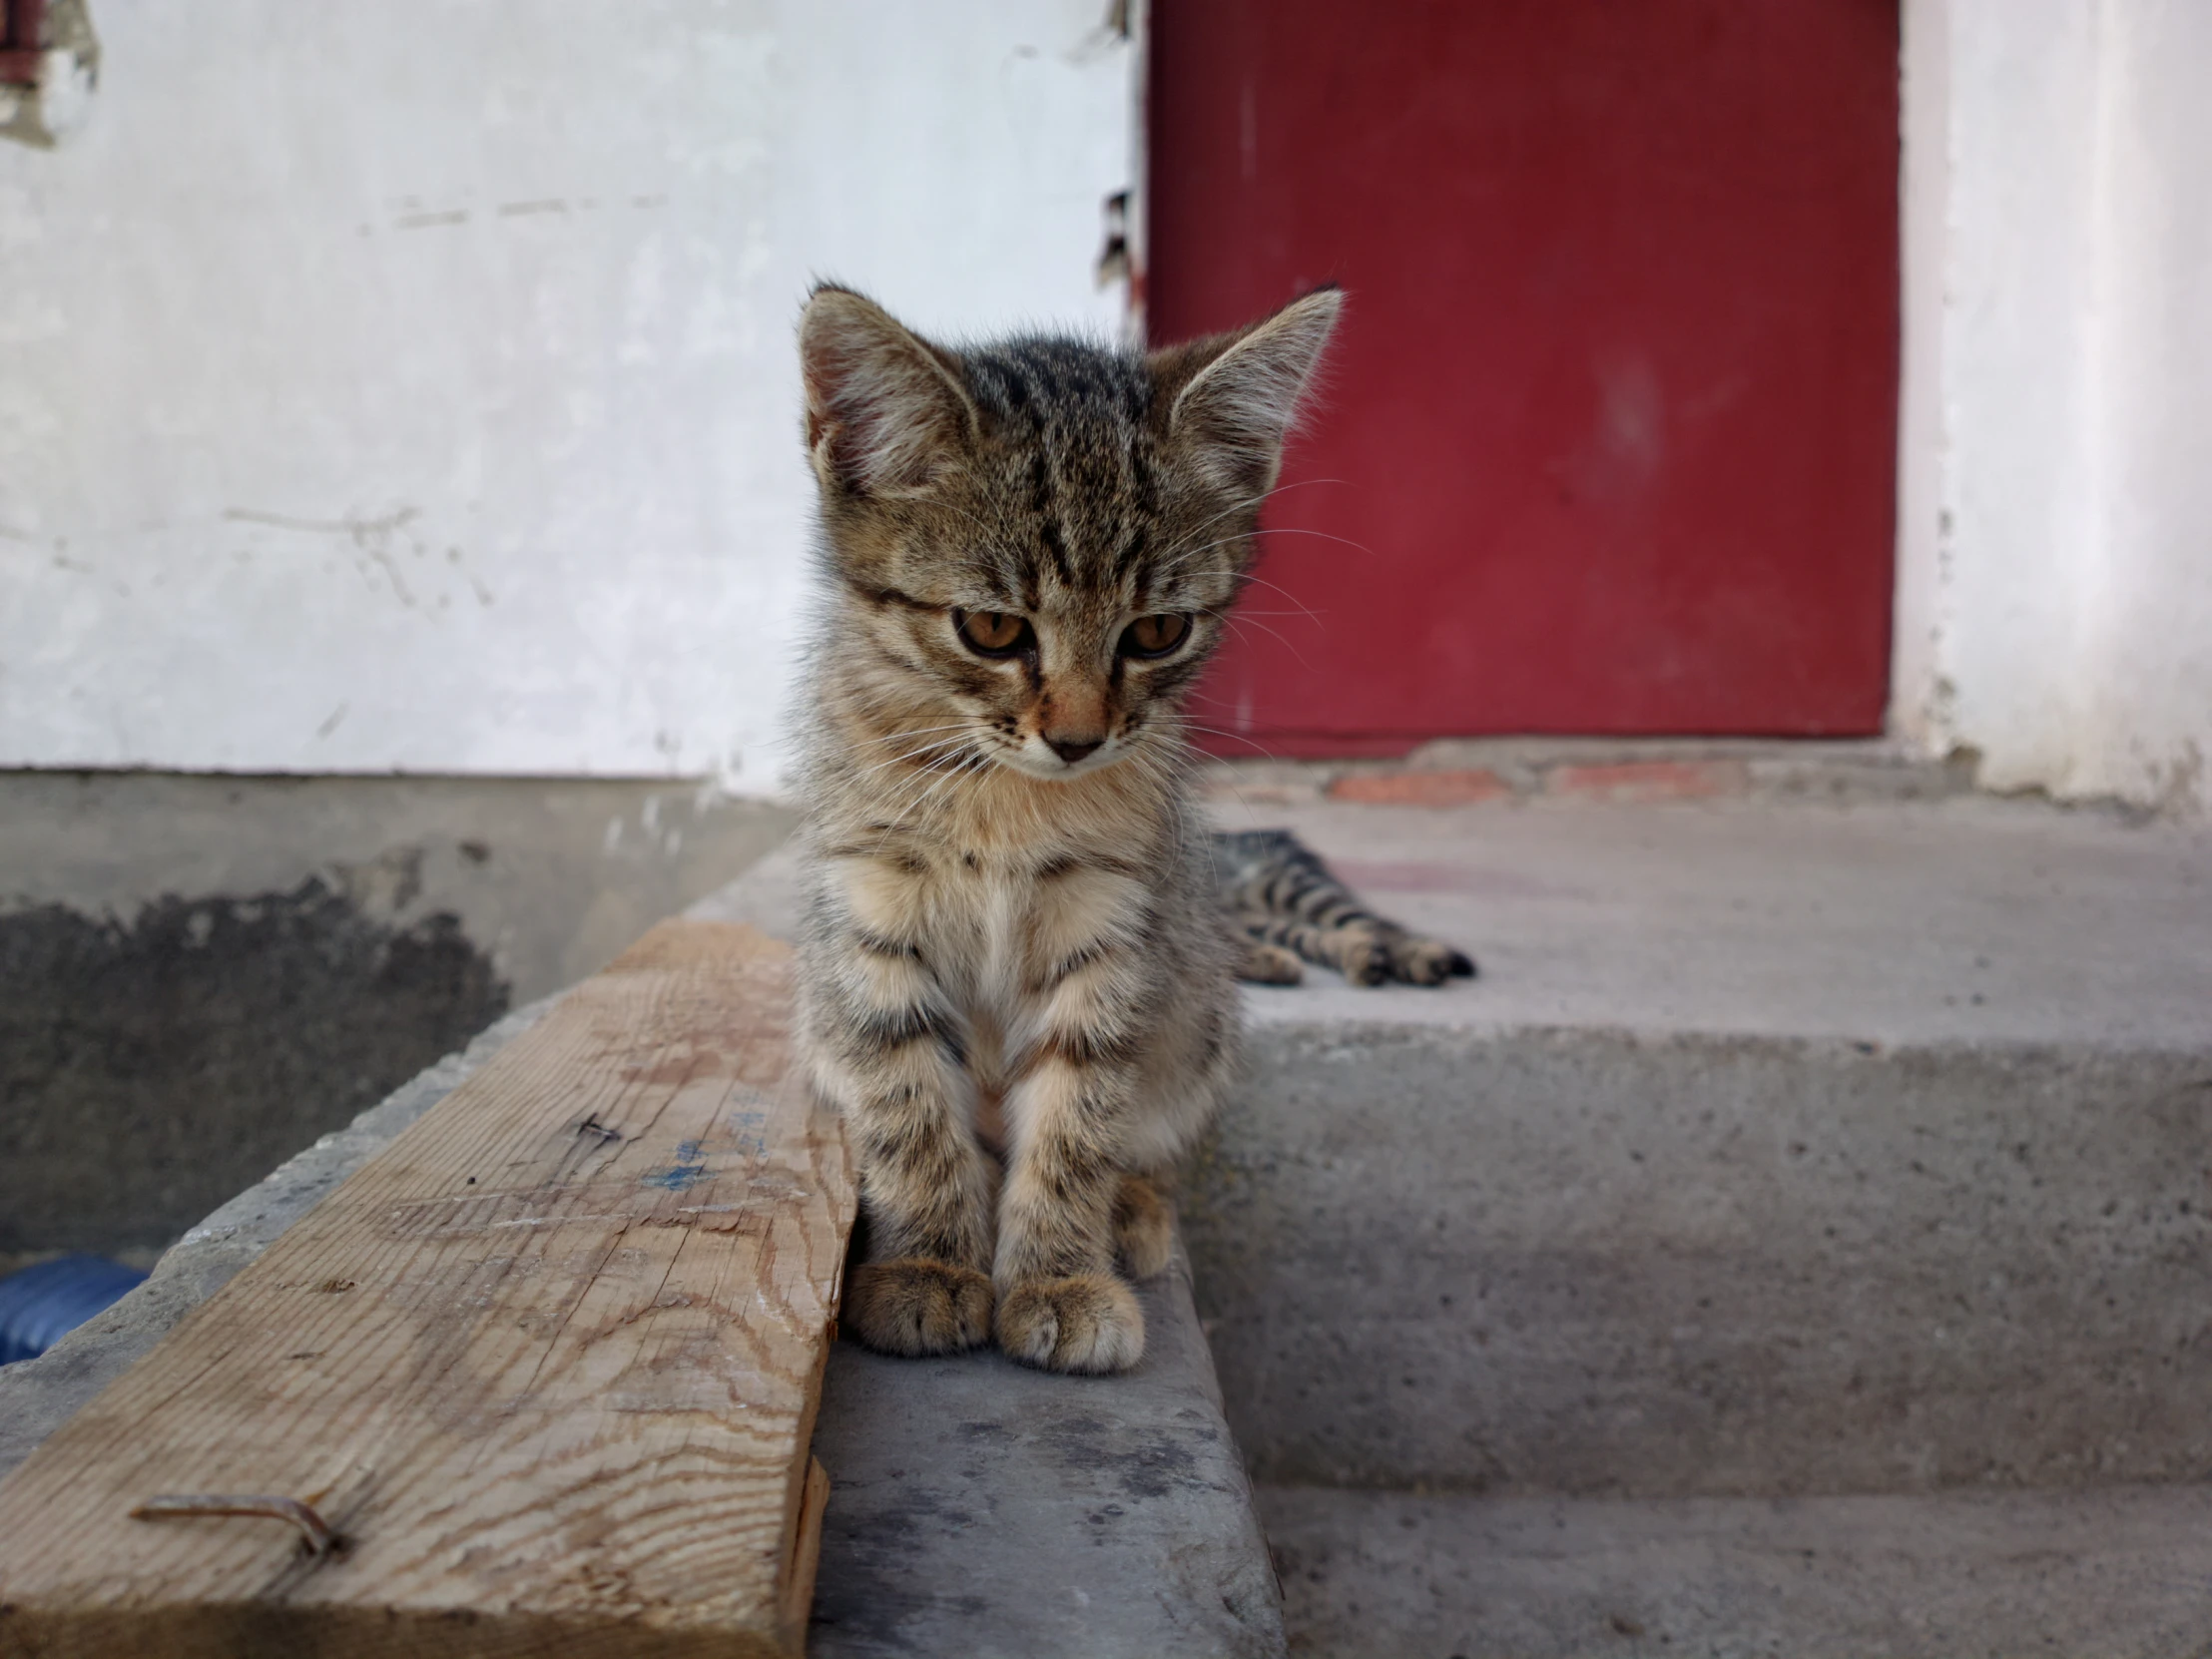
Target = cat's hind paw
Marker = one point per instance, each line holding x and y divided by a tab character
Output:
913	1306
1420	961
1363	959
1087	1321
1269	964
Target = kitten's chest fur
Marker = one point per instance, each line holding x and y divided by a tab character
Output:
1008	879
1002	896
985	907
983	912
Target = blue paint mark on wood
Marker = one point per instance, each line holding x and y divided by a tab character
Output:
685	1173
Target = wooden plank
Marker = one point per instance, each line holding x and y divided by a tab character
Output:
547	1365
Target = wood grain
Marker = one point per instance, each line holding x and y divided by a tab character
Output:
547	1365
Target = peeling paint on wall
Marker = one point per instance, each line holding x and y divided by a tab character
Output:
149	1069
54	105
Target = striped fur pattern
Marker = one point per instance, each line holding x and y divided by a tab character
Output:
1287	905
1016	984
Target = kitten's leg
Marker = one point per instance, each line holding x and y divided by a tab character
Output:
1084	1037
927	1188
1060	1303
1144	1225
885	1049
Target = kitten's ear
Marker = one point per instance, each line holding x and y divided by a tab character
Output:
1239	394
885	411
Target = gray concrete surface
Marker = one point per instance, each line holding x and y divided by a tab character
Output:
982	1511
1783	1153
149	1069
1967	920
1607	1263
2114	1575
199	975
1778	1149
1835	771
766	897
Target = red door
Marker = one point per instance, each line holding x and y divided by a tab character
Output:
1608	437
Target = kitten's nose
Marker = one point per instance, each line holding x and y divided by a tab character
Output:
1074	751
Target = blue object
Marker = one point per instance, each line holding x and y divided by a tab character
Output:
43	1303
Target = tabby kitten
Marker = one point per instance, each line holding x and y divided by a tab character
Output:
1016	980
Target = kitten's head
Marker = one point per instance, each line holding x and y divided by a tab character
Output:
1035	543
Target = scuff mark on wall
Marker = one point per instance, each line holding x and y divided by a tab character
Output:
59	100
374	538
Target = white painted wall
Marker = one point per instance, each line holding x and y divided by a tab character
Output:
410	386
2055	569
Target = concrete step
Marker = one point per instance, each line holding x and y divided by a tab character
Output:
1779	1149
1782	1150
2122	1573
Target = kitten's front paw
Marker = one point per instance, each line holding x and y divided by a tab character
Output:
915	1306
1088	1321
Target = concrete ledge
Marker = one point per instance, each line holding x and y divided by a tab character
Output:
201	974
1778	1149
1380	1575
987	1511
1653	1264
1453	771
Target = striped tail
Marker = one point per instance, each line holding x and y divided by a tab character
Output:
1284	903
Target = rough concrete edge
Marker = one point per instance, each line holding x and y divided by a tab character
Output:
1526	768
1464	1033
1816	772
38	1395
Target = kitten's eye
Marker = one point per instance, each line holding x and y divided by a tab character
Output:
1154	636
993	633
